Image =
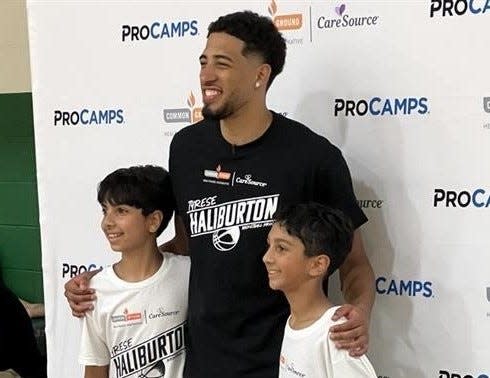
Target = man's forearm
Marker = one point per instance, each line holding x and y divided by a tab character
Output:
357	277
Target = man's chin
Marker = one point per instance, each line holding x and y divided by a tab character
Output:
209	114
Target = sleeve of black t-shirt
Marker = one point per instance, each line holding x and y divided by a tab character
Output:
333	186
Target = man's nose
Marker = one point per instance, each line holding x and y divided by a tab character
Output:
207	74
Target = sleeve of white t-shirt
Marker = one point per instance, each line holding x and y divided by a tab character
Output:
93	346
345	366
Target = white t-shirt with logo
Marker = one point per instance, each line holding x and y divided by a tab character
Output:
309	353
138	327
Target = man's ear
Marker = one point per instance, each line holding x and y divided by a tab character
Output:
263	74
319	265
154	220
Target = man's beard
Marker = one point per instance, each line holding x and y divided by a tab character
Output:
216	115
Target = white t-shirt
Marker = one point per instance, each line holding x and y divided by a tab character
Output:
138	327
310	353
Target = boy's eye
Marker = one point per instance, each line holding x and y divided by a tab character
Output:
122	210
280	247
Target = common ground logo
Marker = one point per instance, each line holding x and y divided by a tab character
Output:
286	21
341	18
190	114
445	8
159	30
88	117
464	198
378	106
448	374
410	288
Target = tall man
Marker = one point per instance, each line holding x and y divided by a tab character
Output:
230	172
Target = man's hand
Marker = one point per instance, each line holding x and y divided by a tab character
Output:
352	335
79	295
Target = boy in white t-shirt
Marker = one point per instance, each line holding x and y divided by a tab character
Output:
307	243
136	328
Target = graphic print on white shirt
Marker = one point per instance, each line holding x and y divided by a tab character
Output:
137	328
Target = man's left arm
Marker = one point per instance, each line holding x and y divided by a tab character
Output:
357	283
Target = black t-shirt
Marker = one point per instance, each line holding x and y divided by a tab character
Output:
227	196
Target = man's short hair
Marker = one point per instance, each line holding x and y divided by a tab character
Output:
145	187
321	229
259	34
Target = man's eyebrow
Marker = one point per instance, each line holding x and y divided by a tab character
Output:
217	56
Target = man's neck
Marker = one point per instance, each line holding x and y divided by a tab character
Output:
307	306
246	126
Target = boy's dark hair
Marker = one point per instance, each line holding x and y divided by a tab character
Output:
321	229
145	187
259	34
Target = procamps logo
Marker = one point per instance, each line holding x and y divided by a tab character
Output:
447	374
191	114
342	19
451	8
70	270
411	288
378	106
88	117
159	30
452	198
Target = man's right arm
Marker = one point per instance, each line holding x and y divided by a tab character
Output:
79	295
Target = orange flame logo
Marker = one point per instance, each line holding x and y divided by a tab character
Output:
191	100
272	8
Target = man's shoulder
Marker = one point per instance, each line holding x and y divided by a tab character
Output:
299	135
297	129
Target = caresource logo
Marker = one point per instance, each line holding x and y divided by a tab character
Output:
342	19
411	288
159	30
378	106
370	203
451	8
71	270
290	21
486	103
192	114
447	374
88	117
464	198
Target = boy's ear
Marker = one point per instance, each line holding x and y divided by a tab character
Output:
154	220
319	265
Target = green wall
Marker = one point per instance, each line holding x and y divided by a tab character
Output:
20	247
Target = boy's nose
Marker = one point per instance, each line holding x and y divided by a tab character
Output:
267	256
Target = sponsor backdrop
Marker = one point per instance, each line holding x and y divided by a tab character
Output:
401	87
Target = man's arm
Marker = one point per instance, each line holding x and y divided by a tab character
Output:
357	283
179	244
96	371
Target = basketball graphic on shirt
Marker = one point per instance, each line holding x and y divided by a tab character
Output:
226	239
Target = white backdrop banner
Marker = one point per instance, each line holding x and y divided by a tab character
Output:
402	87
